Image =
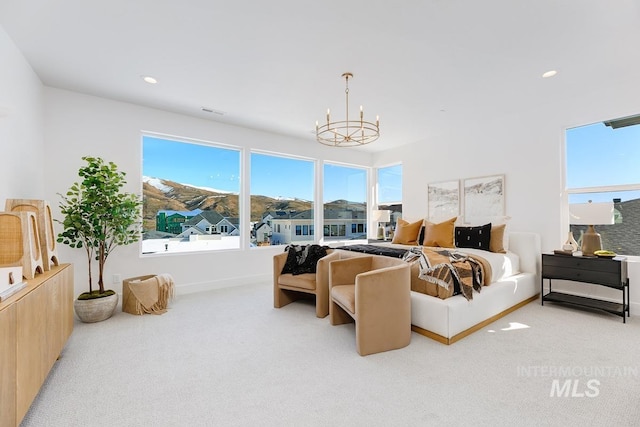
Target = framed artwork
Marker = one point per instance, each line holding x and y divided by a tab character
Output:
443	199
483	197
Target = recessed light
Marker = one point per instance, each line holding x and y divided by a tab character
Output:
549	73
149	80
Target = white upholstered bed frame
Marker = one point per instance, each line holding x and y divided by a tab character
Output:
449	320
454	318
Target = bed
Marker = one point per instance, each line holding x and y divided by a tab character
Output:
514	282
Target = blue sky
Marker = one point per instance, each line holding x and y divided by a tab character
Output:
193	164
218	168
614	155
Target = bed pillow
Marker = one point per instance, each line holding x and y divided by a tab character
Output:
497	238
499	231
474	237
440	234
406	233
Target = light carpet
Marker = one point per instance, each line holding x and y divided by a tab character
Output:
228	358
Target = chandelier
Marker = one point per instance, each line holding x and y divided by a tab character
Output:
347	133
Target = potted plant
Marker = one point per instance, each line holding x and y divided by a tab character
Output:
98	216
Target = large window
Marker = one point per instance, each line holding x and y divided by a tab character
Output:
602	166
281	200
345	202
190	196
390	191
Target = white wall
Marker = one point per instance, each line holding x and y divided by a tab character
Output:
77	125
528	148
21	129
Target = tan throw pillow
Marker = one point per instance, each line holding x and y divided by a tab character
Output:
440	234
406	233
497	238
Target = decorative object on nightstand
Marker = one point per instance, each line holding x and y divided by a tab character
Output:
571	244
591	214
382	217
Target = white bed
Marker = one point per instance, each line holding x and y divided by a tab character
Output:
448	320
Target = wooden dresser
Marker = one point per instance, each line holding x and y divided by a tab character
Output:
35	324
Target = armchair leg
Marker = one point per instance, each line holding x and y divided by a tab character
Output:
282	297
338	315
322	308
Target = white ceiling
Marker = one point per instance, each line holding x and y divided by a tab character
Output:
421	65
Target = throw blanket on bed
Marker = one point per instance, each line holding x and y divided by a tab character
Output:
450	268
376	250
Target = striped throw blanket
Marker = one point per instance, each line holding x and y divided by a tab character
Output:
450	268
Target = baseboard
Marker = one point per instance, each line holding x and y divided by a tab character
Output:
474	328
190	288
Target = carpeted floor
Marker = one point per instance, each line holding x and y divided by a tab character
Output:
228	358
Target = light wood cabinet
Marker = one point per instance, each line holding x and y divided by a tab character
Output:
35	324
8	367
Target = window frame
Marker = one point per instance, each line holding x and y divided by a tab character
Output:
290	229
383	204
205	143
341	228
568	191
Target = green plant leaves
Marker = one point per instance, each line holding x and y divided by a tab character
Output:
98	215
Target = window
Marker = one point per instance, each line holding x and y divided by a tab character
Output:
390	191
281	199
188	186
345	202
602	167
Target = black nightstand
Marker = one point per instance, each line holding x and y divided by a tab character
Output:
608	272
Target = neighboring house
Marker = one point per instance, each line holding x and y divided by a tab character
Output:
292	227
297	227
208	223
170	221
345	224
262	232
191	231
267	217
229	226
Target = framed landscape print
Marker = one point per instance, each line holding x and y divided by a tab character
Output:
483	197
443	199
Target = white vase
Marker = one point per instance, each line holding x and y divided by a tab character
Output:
570	244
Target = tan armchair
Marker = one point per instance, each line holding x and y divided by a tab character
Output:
288	288
373	291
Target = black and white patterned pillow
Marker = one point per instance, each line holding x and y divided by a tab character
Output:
473	237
